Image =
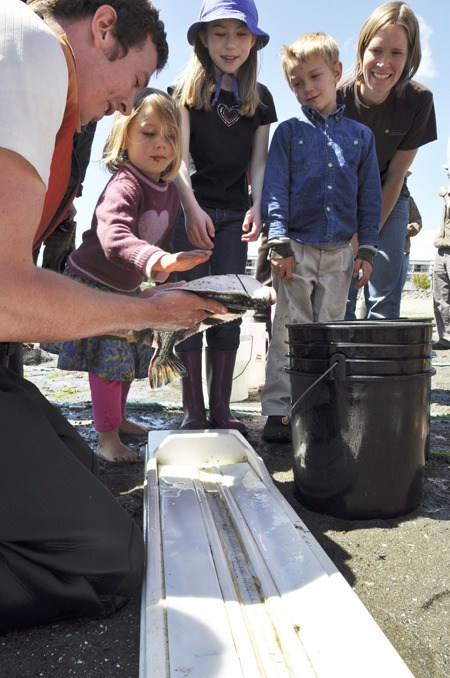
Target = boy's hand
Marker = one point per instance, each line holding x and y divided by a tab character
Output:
283	268
365	268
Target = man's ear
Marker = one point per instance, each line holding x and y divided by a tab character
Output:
103	21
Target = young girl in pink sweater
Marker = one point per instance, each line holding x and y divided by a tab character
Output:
127	244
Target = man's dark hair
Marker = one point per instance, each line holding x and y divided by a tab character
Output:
136	20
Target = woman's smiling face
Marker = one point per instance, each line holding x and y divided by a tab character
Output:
383	63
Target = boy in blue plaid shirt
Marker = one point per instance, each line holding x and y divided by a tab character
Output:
321	193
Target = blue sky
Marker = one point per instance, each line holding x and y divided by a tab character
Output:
284	21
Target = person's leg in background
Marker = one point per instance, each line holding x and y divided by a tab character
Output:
403	277
441	298
382	297
67	548
352	298
405	269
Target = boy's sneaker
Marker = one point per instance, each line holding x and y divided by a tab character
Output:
277	430
440	345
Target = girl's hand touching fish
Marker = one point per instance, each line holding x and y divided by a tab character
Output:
181	261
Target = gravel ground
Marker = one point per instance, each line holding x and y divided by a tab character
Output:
399	567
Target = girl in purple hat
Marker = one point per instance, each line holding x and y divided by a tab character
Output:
226	116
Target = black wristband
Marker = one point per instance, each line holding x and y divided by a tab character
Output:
366	254
280	250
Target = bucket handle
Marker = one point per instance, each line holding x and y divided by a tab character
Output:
336	361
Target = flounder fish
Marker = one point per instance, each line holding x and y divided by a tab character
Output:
239	293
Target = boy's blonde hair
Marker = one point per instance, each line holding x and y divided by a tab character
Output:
385	16
196	85
114	151
307	46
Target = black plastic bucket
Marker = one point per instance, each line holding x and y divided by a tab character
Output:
359	351
360	367
400	331
360	427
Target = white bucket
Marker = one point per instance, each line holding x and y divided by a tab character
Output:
250	366
239	388
256	373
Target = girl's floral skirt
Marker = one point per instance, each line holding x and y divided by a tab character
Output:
114	357
111	357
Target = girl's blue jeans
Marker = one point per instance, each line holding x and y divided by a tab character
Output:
229	256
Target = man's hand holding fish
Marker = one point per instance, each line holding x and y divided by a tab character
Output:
179	310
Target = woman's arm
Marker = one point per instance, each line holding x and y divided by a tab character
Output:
252	224
199	226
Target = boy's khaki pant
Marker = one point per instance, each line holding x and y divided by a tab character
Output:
316	293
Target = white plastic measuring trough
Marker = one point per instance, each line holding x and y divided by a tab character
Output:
236	585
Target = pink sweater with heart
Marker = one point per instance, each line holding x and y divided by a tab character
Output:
132	223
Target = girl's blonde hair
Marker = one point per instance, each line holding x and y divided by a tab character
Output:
307	46
115	149
385	16
196	85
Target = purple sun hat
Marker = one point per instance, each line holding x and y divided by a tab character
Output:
242	10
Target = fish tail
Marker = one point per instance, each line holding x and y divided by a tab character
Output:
163	373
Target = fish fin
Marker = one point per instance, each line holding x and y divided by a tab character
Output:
161	374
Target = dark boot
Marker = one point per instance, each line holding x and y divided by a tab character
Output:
193	403
219	376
